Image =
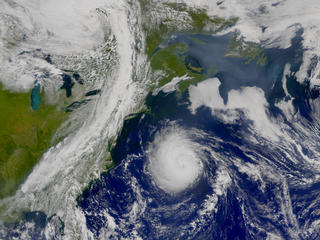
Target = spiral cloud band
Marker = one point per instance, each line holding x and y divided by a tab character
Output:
174	162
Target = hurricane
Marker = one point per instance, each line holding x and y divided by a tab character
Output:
215	171
174	161
158	120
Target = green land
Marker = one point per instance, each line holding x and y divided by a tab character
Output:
158	33
171	61
249	51
24	135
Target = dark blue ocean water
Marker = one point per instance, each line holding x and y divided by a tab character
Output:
257	189
277	202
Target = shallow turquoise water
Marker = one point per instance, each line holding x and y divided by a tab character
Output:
36	97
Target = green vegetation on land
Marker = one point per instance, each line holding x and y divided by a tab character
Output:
156	36
157	31
160	33
24	136
200	18
171	61
250	51
200	22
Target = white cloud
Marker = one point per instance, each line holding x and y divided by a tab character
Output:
250	100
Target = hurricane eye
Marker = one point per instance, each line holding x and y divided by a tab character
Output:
174	162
